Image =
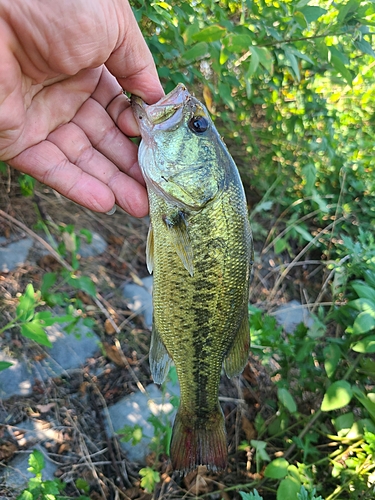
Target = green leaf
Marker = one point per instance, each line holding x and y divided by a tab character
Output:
265	58
287	400
366	345
365	47
25	495
253	495
149	478
347	9
254	63
260	449
309	174
133	433
277	469
86	284
288	489
338	395
363	290
312	13
36	462
198	50
4	365
82	485
209	34
364	322
49	279
26	306
365	401
238	43
332	356
339	65
293	62
226	94
343	423
34	331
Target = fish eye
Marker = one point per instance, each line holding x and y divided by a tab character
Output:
198	124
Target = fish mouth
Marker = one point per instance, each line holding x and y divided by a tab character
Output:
166	114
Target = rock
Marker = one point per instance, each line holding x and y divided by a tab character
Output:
97	246
139	299
15	476
290	315
13	254
136	409
69	351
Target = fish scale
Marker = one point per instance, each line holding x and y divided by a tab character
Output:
200	251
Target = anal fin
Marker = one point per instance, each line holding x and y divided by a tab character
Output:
159	357
238	354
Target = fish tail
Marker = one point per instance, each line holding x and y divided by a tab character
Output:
199	442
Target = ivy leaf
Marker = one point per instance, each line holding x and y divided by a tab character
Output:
337	396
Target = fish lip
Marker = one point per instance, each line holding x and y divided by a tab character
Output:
166	109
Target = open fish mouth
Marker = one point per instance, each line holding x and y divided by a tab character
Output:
166	114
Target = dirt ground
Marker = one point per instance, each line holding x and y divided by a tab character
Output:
82	448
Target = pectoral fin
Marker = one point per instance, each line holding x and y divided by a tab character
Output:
239	352
159	358
150	250
177	226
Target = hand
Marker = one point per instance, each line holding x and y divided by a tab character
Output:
63	116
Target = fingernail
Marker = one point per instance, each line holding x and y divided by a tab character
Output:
112	211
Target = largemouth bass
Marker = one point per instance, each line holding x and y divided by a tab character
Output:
199	248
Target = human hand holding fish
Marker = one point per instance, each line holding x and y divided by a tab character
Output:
64	118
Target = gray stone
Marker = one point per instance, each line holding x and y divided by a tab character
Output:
139	299
15	475
97	246
136	409
13	254
290	315
68	352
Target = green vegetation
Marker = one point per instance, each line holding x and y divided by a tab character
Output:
291	86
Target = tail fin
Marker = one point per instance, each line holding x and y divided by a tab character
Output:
197	443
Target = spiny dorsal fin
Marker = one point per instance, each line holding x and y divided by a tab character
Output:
177	226
159	358
150	250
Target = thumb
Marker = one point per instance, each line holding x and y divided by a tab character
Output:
132	64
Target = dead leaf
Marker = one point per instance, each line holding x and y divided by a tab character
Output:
45	408
248	428
7	450
108	327
113	354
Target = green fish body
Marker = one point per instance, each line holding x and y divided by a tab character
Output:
199	249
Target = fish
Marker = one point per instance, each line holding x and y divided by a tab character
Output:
200	251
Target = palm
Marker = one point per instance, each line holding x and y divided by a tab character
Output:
70	132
